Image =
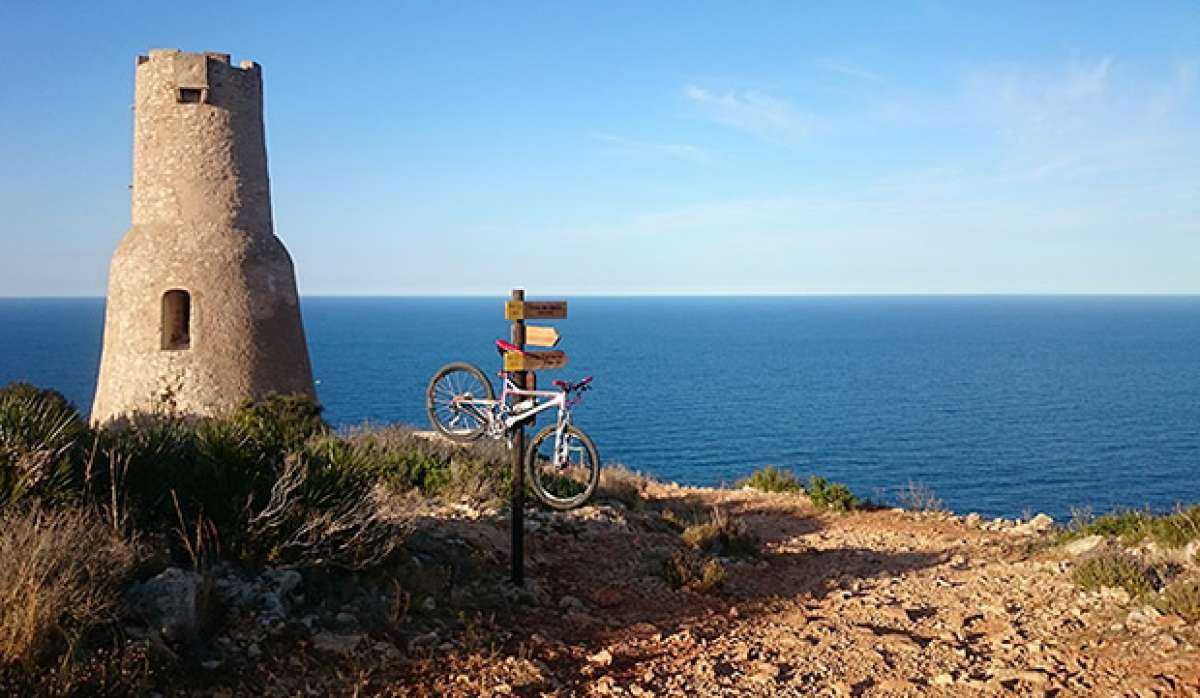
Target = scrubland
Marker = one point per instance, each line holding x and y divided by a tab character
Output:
264	553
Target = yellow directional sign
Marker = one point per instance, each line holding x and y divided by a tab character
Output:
541	336
534	360
535	310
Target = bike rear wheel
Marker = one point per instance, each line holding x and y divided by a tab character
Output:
566	484
451	401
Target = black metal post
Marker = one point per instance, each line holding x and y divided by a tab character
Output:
518	458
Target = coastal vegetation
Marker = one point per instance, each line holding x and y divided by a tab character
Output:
131	552
87	513
771	479
835	496
1173	530
918	497
1117	570
831	495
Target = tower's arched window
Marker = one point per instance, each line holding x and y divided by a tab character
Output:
176	320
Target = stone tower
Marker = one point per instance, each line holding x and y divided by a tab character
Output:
202	305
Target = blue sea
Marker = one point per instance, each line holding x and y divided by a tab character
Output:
1001	405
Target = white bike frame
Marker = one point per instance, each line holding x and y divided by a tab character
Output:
502	419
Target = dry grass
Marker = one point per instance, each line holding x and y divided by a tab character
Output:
1174	530
722	535
1181	597
918	497
1115	569
679	514
620	484
357	534
688	570
59	575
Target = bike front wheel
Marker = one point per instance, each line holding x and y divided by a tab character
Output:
567	478
459	400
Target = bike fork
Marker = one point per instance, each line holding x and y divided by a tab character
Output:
562	455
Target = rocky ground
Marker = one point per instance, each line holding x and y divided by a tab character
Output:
875	603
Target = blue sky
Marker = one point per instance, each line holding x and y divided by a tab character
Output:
738	147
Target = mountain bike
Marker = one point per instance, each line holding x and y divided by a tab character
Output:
561	461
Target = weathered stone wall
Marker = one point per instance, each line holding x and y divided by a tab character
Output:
202	224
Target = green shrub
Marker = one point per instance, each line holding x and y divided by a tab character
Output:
402	460
1173	530
405	461
137	461
161	469
1181	597
338	472
230	474
280	424
40	445
771	479
1115	569
1124	524
835	496
686	569
723	536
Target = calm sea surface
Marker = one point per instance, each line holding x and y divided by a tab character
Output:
1001	405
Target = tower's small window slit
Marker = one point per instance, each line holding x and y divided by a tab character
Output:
176	320
190	95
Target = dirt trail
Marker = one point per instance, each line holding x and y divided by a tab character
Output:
875	603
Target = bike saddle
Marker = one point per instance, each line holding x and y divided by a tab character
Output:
504	346
567	386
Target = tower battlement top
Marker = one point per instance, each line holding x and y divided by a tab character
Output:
174	53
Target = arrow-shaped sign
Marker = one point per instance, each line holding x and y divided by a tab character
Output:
541	336
534	360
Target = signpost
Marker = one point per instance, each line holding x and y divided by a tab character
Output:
521	365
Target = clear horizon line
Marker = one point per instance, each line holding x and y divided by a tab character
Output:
781	294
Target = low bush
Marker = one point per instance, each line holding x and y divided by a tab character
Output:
835	496
60	571
137	461
40	445
1173	530
1116	569
338	471
1181	597
279	423
156	470
918	497
723	536
620	484
472	479
686	569
771	479
679	514
474	473
350	525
